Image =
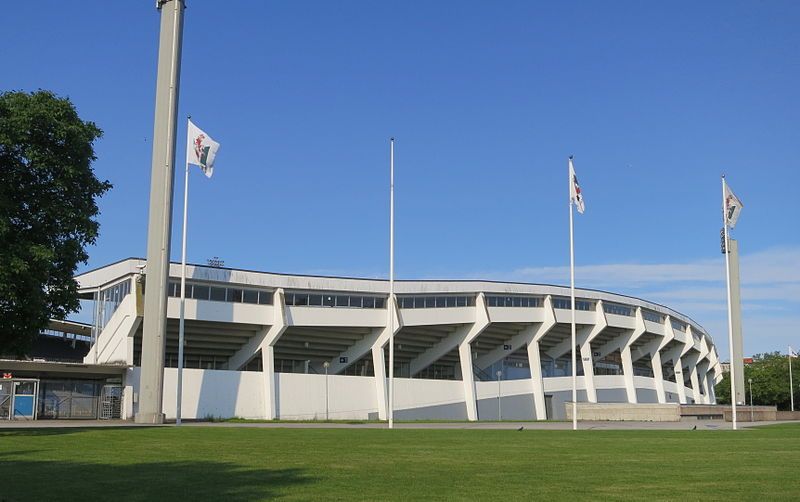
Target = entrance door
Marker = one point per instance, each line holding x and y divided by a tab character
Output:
24	399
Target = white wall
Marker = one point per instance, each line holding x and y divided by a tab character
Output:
302	397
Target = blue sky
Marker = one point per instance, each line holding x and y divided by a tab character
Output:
486	101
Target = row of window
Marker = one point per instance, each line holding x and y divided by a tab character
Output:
678	325
617	309
350	301
429	302
217	294
651	316
513	301
566	303
109	299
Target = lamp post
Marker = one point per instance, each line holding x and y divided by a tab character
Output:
499	394
750	381
325	365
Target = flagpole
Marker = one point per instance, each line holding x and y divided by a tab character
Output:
572	295
390	303
730	320
791	384
183	292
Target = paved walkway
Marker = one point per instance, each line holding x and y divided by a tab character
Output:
688	425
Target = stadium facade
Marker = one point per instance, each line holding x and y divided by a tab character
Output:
265	345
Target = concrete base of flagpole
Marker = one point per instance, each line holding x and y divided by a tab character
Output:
150	418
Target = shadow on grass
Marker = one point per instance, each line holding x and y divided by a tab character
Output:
197	480
56	431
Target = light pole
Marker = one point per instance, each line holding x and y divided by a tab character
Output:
325	365
750	381
499	394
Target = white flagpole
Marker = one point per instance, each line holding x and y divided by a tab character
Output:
730	321
390	303
572	294
183	294
791	384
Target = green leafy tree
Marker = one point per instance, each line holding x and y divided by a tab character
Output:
770	374
48	194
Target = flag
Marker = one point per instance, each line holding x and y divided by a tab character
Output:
575	195
733	206
792	353
201	150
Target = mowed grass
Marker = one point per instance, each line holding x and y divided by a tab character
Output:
243	463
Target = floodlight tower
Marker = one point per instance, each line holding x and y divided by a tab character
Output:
160	220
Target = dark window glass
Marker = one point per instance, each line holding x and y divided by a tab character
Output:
380	302
419	302
517	301
250	296
355	301
451	301
234	295
301	299
288	298
315	300
328	300
491	301
430	302
217	294
200	292
369	302
342	301
173	289
265	298
440	302
461	301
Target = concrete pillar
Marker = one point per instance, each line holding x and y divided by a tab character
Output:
268	373
627	374
465	355
159	229
533	334
658	375
381	387
588	371
678	370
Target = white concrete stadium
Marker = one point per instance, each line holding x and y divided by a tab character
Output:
259	345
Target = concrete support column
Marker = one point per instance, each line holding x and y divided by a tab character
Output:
468	378
677	368
588	371
381	387
537	380
268	373
627	374
658	376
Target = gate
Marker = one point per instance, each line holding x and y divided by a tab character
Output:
110	402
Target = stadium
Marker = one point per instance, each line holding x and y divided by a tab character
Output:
297	347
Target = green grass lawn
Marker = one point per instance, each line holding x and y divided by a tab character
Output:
236	464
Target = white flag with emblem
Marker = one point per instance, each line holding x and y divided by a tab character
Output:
575	195
201	150
733	206
792	353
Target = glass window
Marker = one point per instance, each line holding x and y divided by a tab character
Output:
288	299
250	296
369	302
430	302
342	301
356	301
461	301
491	301
200	292
265	298
217	294
440	302
234	295
380	303
328	300
301	299
517	301
315	300
419	302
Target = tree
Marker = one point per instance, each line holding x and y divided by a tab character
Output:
48	194
770	374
